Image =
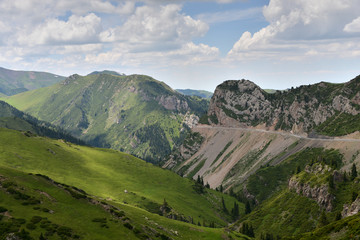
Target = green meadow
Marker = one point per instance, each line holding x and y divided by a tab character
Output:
113	176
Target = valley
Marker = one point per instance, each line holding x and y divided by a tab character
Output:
248	164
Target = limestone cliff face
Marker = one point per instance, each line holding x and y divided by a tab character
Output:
173	103
351	209
316	189
300	110
318	193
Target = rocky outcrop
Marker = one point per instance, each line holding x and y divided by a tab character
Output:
318	193
351	209
301	110
190	146
190	120
173	103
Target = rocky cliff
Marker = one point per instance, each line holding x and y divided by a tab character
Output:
303	110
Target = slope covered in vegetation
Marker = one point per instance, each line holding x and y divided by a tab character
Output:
135	114
13	82
115	176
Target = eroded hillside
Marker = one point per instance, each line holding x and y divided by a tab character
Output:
247	128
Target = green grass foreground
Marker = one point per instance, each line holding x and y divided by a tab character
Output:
108	173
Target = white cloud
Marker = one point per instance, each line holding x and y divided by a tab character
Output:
154	27
298	28
353	27
54	31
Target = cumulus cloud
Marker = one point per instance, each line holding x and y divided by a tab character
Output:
154	27
299	27
77	29
353	27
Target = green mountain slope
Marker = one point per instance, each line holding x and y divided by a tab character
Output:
115	176
34	205
13	82
302	197
199	93
135	114
12	118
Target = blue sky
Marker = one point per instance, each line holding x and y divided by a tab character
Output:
187	44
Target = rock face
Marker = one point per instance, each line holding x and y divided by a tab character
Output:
351	209
300	110
320	194
190	146
173	103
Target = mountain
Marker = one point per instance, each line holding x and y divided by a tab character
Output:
304	197
251	128
106	72
13	82
135	114
323	108
44	191
12	118
199	93
289	156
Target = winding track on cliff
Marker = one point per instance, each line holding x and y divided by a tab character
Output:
286	134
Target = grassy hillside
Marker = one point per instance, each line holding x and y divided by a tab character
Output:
309	206
135	114
199	93
34	205
13	82
12	118
115	176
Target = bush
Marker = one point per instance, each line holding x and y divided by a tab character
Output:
30	226
128	225
2	209
36	219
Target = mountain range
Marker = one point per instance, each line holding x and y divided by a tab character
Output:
135	114
253	163
13	82
199	93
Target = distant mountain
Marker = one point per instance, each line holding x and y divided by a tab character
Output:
136	114
199	93
13	82
12	118
106	72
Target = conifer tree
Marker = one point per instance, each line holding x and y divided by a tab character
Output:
331	181
247	207
323	220
223	205
235	211
353	172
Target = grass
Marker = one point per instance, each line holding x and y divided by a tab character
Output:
197	168
340	124
286	214
120	112
222	152
108	174
58	215
268	180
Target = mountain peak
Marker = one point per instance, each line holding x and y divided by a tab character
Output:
107	72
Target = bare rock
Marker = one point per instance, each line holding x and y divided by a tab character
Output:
351	209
